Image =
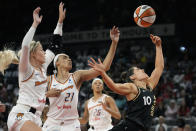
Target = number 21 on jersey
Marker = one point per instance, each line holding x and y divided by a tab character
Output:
69	97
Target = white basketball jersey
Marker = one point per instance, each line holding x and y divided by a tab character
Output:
98	116
32	90
64	107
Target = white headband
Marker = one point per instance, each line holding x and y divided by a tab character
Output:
96	80
56	58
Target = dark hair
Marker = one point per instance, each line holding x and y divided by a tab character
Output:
125	75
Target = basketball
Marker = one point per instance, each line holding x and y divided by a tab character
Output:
144	16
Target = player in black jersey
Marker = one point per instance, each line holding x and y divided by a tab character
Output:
137	88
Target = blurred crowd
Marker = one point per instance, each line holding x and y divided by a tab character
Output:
175	93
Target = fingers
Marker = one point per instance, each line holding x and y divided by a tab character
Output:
90	64
41	17
93	60
64	11
37	10
151	36
61	5
99	60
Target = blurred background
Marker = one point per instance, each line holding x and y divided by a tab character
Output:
86	34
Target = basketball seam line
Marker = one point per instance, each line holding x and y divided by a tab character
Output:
146	17
145	11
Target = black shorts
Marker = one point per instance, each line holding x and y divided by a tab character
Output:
128	126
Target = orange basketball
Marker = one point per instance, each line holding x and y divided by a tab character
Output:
144	16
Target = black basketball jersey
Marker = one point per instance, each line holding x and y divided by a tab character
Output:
141	108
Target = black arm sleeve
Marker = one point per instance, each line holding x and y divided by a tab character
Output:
55	44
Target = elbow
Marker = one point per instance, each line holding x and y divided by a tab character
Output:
107	68
162	67
118	117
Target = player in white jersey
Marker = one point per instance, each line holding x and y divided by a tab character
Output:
99	109
63	114
25	116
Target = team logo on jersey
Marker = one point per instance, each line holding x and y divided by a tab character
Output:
69	81
19	116
54	85
36	74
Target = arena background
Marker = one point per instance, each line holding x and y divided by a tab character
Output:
86	29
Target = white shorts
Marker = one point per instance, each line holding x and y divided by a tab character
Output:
17	117
67	125
101	128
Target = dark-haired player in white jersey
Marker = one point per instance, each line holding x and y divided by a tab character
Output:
64	88
99	109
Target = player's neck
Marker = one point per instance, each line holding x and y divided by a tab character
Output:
97	95
140	84
35	64
62	75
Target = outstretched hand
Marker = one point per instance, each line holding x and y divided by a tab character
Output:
37	19
114	34
62	12
96	66
156	40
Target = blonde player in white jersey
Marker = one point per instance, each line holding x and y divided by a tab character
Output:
64	88
99	109
25	116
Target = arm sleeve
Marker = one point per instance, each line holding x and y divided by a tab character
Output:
24	65
59	29
49	57
55	44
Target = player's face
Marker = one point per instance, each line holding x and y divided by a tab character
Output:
140	74
97	86
65	62
39	54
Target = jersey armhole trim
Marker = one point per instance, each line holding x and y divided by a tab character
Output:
74	81
29	77
50	83
137	94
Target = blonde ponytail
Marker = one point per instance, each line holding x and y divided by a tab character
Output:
7	57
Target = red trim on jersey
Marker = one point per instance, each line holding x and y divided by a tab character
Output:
61	82
94	106
37	83
29	77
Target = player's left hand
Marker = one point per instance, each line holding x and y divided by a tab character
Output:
156	40
62	12
115	34
97	66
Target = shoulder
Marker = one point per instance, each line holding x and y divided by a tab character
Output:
108	98
77	74
149	84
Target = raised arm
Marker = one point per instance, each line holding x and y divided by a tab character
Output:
84	119
62	14
114	35
110	106
84	75
24	64
54	46
122	89
159	62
